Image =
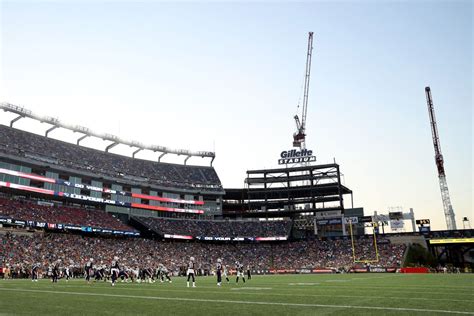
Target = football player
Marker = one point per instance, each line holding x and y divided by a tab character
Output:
190	273
114	270
34	272
55	272
225	273
240	271
89	270
219	272
67	273
164	273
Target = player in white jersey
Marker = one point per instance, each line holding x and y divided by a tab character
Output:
67	273
240	271
190	273
114	270
225	273
135	275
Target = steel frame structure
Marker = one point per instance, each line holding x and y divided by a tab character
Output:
289	192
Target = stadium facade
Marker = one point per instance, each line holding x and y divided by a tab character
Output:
36	164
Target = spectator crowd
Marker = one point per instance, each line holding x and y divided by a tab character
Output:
19	252
19	209
217	228
32	146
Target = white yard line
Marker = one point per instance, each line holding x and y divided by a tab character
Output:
224	288
329	286
249	289
134	287
242	302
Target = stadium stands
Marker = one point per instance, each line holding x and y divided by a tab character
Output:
219	228
30	211
32	146
20	251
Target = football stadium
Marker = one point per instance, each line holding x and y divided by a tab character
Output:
92	230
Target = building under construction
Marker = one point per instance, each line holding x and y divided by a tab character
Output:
286	192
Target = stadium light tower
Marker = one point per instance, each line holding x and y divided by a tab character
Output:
299	137
448	208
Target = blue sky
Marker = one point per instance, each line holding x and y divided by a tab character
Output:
226	76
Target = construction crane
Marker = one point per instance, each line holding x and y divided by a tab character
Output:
299	138
448	208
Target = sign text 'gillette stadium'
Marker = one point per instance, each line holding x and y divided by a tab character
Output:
296	156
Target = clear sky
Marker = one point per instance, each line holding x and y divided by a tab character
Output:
227	76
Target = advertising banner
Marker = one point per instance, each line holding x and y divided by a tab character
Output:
397	224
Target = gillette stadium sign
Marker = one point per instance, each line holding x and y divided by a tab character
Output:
296	156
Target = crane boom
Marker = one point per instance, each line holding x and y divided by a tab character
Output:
299	137
448	208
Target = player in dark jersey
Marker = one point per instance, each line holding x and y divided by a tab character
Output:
124	275
219	272
146	274
99	273
34	272
88	268
240	271
249	275
55	272
114	270
103	271
163	273
190	272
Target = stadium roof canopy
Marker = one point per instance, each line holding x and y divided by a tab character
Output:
115	140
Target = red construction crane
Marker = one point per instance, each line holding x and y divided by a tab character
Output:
448	208
299	138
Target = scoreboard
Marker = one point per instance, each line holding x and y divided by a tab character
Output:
422	222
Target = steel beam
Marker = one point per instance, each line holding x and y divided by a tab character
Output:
50	130
135	152
81	138
161	156
111	146
16	119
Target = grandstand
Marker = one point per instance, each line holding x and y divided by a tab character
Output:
48	215
333	255
124	186
42	150
217	229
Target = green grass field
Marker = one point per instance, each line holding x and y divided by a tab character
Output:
349	294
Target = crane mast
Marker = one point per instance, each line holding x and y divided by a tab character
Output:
299	138
448	208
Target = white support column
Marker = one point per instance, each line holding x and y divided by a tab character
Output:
412	214
344	232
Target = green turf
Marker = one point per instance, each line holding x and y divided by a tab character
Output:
349	294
